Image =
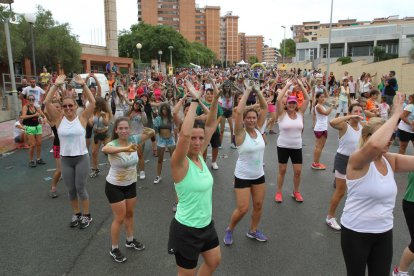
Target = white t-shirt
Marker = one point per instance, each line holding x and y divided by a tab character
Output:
249	165
403	125
290	132
123	171
17	131
383	109
36	92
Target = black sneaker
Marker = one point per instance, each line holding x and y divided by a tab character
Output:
94	173
75	221
84	222
40	161
32	164
117	255
135	245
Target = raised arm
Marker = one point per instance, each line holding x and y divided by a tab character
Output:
238	120
53	114
263	109
305	96
212	121
88	111
376	142
280	96
179	163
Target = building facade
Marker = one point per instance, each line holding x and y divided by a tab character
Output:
359	42
229	39
270	55
253	47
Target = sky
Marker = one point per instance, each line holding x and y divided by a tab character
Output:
258	17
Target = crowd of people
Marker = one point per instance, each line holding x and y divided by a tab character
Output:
187	113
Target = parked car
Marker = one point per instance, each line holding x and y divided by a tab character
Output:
103	81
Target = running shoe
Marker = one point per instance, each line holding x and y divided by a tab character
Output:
26	147
141	175
40	161
75	221
174	208
135	245
279	197
297	196
233	146
117	255
259	236
395	272
94	173
157	179
32	164
220	147
228	238
214	166
53	194
85	221
318	166
333	223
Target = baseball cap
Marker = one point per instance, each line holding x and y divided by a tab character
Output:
291	99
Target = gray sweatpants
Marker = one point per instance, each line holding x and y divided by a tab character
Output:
75	173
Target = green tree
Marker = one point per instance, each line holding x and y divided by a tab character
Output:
345	60
155	38
54	42
253	59
303	39
290	47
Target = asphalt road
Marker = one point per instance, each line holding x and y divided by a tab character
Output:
35	238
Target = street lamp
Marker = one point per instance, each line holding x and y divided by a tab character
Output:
329	48
271	42
284	44
31	19
139	47
5	20
160	53
170	48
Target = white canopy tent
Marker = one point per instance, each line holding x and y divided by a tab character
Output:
242	62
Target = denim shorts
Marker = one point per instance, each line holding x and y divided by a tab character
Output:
165	142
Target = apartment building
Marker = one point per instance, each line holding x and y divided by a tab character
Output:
229	40
253	47
270	55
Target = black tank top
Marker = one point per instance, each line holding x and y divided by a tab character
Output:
56	141
34	121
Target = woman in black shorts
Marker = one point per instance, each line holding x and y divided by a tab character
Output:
120	187
406	125
192	230
289	142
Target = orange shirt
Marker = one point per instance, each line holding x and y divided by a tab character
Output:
370	104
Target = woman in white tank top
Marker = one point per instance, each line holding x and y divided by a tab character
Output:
320	130
249	180
367	219
73	151
349	128
289	142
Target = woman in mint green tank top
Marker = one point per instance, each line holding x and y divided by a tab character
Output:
192	230
407	257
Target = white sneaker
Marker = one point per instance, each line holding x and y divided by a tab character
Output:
157	179
214	166
333	224
141	175
395	272
233	146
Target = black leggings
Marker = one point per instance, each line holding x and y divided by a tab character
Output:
366	249
408	209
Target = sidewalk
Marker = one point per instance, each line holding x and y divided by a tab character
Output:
7	139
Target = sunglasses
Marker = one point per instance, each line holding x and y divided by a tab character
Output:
67	105
31	100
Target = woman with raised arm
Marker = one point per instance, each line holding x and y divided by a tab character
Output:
320	129
120	187
192	230
367	219
100	125
289	142
249	179
349	128
73	151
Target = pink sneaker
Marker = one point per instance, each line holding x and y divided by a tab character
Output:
279	197
297	196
